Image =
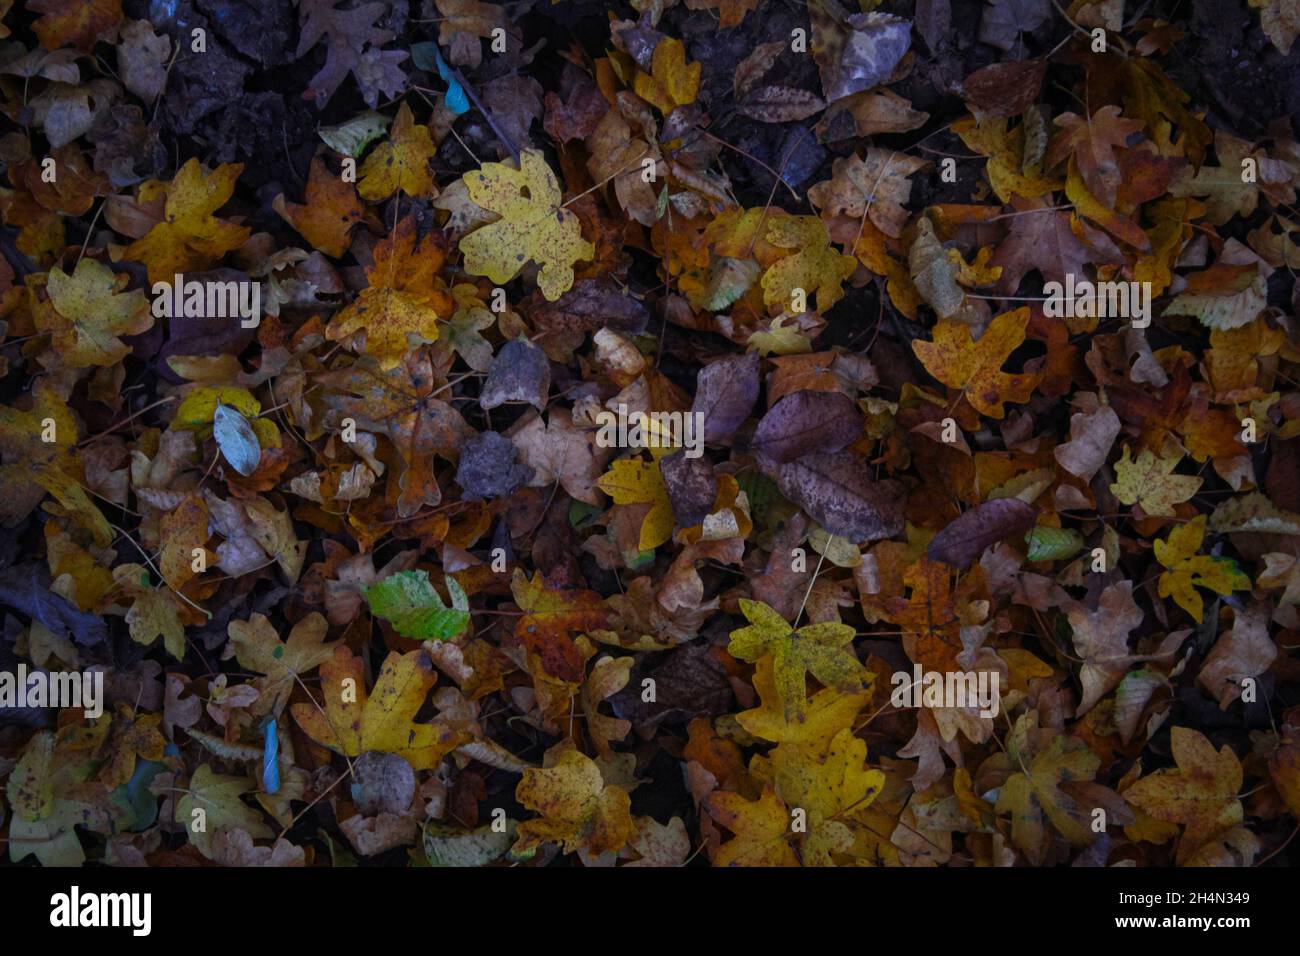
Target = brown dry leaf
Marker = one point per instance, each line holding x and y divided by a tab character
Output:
875	185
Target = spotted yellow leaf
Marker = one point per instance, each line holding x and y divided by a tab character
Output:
1188	570
1150	482
533	225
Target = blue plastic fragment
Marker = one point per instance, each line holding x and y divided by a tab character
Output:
457	101
270	758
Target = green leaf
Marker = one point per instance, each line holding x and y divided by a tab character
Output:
1053	544
407	600
730	279
352	138
225	749
446	846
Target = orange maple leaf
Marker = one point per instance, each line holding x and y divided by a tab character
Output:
975	367
405	296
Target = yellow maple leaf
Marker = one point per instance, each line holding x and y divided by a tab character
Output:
258	648
533	225
1171	228
87	311
1200	792
761	828
830	786
815	268
154	611
671	82
578	809
404	298
1035	792
354	721
631	481
871	251
190	238
823	650
975	367
40	455
1090	207
1150	481
1235	356
90	580
780	338
1188	570
829	711
218	795
989	136
401	162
